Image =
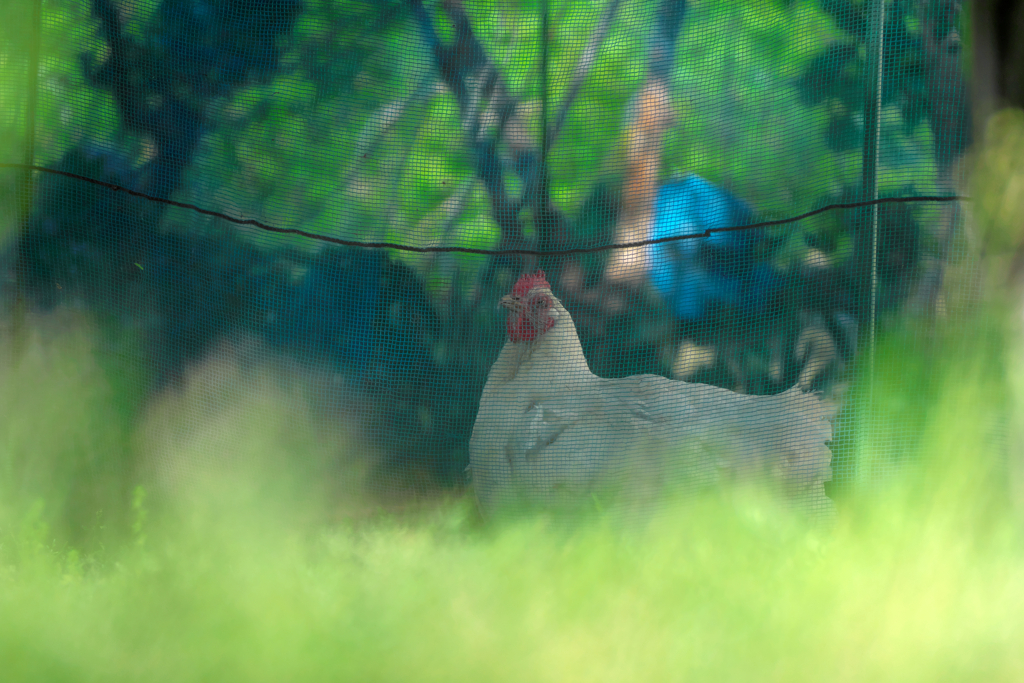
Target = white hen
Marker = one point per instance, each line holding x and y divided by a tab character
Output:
551	433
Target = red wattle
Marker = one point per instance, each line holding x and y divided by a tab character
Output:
521	329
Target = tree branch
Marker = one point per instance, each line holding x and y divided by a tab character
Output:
465	70
583	66
490	117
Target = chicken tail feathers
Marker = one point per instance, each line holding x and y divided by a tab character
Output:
804	460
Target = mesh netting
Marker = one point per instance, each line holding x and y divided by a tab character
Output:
740	195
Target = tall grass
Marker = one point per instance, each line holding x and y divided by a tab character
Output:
216	569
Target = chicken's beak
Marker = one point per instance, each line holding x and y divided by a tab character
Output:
512	303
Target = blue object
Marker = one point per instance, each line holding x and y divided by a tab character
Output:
723	267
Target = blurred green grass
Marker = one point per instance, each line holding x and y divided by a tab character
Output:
234	564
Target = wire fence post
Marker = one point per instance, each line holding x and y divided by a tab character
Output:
869	177
543	229
26	180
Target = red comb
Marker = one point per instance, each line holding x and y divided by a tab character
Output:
528	282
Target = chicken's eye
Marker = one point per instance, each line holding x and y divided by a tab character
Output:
540	303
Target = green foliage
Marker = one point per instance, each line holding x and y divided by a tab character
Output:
355	136
914	76
67	32
740	120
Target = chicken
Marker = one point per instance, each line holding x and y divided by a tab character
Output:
551	434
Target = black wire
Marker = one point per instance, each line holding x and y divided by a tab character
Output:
484	252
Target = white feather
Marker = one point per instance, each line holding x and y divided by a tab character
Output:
550	432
